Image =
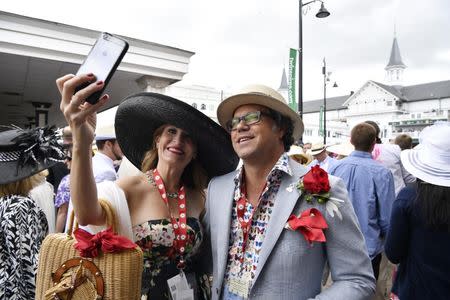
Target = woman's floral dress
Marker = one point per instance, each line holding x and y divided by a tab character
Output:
155	238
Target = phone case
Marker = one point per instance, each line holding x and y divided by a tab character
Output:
92	99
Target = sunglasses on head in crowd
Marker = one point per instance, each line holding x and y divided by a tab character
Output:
249	119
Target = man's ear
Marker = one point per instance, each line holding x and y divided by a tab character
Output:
109	144
281	132
373	144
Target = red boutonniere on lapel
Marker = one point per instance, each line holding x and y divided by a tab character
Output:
315	185
310	223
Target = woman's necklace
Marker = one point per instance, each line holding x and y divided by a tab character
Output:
178	224
151	180
172	195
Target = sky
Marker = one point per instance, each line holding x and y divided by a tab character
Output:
240	42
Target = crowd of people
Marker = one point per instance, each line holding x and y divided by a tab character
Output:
288	222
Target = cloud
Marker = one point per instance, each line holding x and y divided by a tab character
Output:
238	42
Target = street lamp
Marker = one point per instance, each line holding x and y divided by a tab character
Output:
322	13
326	79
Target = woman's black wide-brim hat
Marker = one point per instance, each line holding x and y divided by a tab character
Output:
25	152
139	115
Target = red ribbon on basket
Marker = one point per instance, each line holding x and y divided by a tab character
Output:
89	244
310	223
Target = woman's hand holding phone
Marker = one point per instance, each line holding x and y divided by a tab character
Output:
80	94
79	114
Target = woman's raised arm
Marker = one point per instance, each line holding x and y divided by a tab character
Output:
81	117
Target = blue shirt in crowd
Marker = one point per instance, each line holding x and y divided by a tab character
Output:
371	190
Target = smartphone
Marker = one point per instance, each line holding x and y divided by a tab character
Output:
103	60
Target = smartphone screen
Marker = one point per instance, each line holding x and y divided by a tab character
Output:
103	59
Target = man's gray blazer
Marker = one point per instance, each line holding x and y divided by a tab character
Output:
289	267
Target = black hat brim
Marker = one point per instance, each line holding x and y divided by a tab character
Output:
139	115
10	171
13	171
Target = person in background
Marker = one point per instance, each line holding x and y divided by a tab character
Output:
419	235
108	152
404	141
256	254
44	196
306	146
371	190
389	156
23	225
297	154
62	198
321	157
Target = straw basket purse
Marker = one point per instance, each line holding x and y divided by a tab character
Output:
64	274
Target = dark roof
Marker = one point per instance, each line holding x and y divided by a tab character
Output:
394	90
418	92
432	90
424	91
333	103
395	60
284	84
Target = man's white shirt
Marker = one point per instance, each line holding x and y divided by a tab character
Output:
325	164
103	168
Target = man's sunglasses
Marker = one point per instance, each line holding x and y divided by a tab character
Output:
249	119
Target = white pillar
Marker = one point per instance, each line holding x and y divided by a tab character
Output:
154	84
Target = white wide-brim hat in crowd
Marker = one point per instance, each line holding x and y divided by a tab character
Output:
431	161
260	95
343	149
106	132
317	148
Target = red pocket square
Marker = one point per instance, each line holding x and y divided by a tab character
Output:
311	224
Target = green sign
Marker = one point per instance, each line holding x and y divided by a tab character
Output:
321	133
291	83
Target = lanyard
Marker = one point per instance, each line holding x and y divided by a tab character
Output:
241	207
179	227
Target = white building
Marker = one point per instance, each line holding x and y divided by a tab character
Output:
396	108
34	52
206	99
